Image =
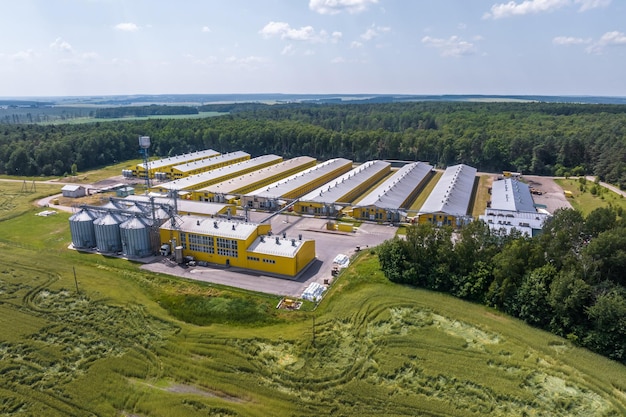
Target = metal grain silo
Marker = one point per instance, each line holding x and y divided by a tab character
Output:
135	236
107	229
82	229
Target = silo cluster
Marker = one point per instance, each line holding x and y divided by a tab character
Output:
119	227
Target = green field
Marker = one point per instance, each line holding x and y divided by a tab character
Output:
123	344
588	196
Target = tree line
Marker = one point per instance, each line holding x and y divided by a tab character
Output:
533	138
568	280
143	111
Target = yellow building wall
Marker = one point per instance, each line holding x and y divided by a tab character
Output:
272	264
309	208
305	255
437	218
370	213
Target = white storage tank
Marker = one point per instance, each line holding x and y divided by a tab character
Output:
107	230
135	236
178	254
82	229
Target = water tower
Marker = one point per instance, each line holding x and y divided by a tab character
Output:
144	144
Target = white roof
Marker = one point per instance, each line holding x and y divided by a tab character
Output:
334	190
289	184
193	181
267	245
207	163
230	229
392	193
453	191
510	194
233	185
185	206
71	187
179	159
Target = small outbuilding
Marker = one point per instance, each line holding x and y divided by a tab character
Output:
125	191
73	191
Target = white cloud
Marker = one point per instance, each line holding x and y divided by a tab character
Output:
245	61
512	8
338	6
211	60
90	56
453	46
356	44
61	45
374	32
613	38
569	40
127	27
304	34
288	50
26	55
338	60
591	4
206	29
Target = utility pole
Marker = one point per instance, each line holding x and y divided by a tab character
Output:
75	280
313	331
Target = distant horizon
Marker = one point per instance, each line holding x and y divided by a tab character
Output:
339	94
181	99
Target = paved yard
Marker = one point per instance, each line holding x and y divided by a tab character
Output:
553	197
328	244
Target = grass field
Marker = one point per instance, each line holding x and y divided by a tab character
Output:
590	196
119	346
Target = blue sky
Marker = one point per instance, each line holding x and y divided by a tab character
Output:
105	47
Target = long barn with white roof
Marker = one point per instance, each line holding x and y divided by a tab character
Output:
164	165
384	203
231	189
328	199
275	195
195	182
449	202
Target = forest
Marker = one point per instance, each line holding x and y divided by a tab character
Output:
142	111
568	280
535	138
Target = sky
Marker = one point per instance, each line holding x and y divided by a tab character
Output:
492	47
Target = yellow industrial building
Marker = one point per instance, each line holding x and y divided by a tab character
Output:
275	195
230	190
238	244
214	176
164	165
329	199
448	203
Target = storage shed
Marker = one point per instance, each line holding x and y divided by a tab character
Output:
73	191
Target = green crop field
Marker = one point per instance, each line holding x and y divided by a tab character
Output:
124	345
